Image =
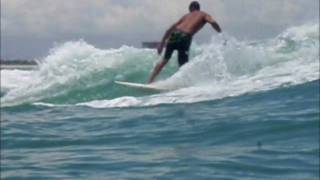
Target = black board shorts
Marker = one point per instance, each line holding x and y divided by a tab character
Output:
179	41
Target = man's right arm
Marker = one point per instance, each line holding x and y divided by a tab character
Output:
213	23
167	34
165	37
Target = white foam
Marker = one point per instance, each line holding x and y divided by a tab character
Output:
67	68
11	79
220	71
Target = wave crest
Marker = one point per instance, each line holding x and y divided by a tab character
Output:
79	73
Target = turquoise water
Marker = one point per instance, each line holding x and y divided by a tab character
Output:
217	139
245	110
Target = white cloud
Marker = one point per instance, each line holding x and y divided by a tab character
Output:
47	17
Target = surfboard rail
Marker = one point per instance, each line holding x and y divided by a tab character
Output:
151	87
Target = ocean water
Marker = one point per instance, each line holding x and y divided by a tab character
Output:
238	110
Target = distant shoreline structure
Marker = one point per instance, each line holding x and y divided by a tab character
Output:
18	64
150	44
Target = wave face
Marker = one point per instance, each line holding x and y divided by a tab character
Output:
77	73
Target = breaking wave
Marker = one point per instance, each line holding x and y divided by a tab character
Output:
77	73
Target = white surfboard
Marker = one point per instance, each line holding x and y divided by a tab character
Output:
141	86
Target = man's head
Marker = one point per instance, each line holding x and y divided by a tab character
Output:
194	6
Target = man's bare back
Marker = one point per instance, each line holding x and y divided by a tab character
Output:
192	22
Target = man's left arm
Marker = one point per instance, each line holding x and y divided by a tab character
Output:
213	23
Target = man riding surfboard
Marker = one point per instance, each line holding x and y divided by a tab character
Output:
179	36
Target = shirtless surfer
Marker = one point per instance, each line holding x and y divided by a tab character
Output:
179	36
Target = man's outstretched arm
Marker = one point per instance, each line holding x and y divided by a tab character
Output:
216	26
213	23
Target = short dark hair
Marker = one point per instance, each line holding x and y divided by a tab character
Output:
194	5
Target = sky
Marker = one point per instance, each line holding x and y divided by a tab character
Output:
30	28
